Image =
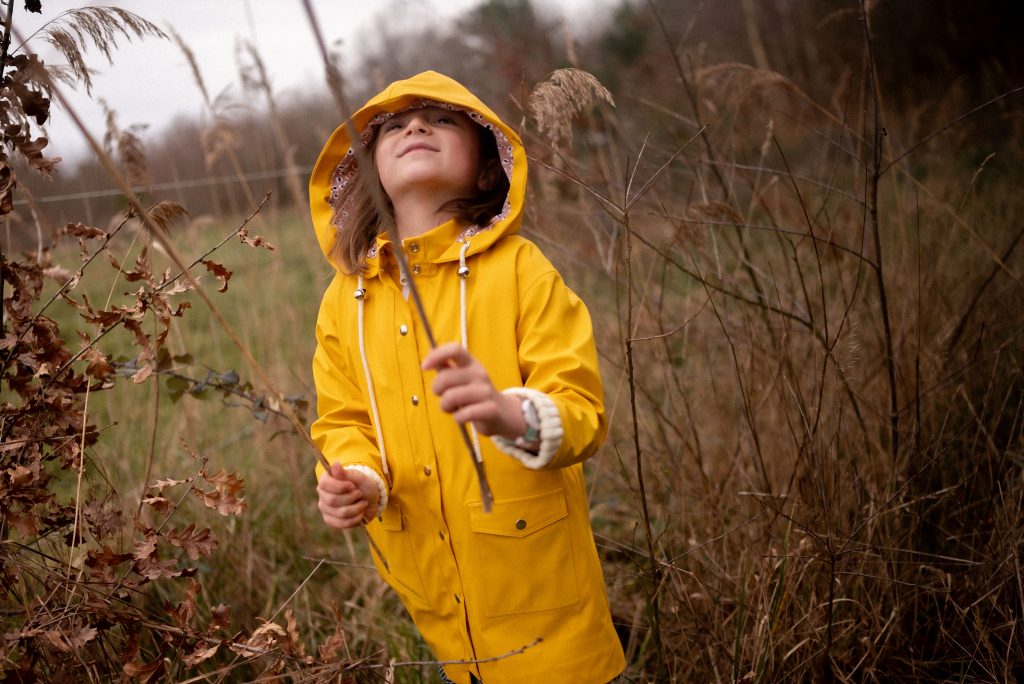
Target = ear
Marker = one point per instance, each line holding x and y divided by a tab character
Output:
488	178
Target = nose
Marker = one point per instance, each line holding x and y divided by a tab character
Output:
416	123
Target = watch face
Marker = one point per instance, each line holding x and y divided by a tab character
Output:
530	415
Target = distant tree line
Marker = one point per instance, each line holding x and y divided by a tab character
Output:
926	52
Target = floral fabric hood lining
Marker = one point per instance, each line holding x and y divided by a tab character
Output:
346	172
330	186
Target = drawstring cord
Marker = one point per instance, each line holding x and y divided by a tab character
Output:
360	295
463	277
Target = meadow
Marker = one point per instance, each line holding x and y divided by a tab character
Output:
808	305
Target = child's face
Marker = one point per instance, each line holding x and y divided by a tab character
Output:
431	150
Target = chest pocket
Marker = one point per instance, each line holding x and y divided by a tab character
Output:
403	572
524	552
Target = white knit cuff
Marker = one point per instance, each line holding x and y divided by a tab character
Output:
550	430
382	488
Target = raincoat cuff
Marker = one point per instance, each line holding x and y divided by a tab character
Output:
382	488
550	430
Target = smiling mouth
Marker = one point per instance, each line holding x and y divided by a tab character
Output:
417	146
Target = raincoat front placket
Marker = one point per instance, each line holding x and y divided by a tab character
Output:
422	503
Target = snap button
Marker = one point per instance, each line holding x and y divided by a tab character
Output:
416	269
415	400
414	247
520	524
426	471
403	329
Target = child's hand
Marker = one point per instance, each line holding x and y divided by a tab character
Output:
347	498
467	393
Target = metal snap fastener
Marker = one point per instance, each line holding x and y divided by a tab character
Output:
414	247
416	269
415	400
426	471
520	524
403	329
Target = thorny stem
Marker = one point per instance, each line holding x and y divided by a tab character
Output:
877	134
655	569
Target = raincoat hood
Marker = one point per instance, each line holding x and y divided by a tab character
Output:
335	171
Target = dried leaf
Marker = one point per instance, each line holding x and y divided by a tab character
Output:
71	640
98	364
147	547
220	617
225	498
200	654
152	568
160	503
59	273
7	185
258	241
221	273
196	543
82	231
186	609
159	485
144	672
295	646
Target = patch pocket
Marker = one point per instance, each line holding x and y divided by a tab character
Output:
402	571
524	553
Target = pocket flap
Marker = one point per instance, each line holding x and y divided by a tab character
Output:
519	517
391	517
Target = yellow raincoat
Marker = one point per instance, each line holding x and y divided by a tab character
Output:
478	585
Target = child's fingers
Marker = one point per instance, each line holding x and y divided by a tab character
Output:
330	484
346	517
460	396
450	354
448	378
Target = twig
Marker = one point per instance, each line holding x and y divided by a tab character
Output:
873	176
380	206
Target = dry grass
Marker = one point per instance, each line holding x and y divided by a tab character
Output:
762	513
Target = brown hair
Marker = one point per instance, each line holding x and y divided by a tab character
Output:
357	233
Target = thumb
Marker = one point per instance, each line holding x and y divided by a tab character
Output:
338	472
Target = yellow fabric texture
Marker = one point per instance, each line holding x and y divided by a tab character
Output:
478	585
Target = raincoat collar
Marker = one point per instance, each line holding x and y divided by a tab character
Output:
335	169
438	245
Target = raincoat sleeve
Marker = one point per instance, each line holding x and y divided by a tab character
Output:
342	431
559	366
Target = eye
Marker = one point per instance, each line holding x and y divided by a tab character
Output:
392	125
444	119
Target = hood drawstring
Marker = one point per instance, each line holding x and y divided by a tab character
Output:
463	277
360	295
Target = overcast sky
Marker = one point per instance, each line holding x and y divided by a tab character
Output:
150	81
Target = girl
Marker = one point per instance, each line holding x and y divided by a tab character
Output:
478	585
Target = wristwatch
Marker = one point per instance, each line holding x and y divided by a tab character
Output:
531	438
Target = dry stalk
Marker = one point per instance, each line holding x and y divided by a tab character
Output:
380	205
